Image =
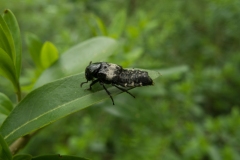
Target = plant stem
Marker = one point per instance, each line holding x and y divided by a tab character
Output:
19	96
19	93
21	142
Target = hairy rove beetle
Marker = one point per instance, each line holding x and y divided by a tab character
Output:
109	73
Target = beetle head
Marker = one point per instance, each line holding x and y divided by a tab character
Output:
92	70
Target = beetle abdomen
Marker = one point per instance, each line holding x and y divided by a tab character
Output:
134	78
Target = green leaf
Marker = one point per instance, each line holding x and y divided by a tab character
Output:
7	68
47	157
34	46
22	157
101	26
51	102
5	104
58	157
5	153
174	70
6	40
2	118
77	58
16	38
118	24
90	21
49	54
132	56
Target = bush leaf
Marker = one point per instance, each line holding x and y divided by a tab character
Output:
6	40
58	157
5	153
22	157
7	68
5	104
47	157
12	24
5	107
118	24
49	54
2	118
34	46
51	102
77	58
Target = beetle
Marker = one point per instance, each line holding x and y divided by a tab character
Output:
110	73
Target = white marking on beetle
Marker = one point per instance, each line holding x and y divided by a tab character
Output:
112	68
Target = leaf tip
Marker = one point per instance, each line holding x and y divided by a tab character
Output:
6	11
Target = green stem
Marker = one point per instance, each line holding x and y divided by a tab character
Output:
19	93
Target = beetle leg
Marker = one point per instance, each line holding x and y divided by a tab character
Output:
124	90
107	92
83	83
93	82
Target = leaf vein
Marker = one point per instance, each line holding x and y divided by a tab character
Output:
44	114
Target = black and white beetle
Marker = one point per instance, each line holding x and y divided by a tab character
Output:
109	73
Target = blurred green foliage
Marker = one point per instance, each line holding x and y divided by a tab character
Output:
192	112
